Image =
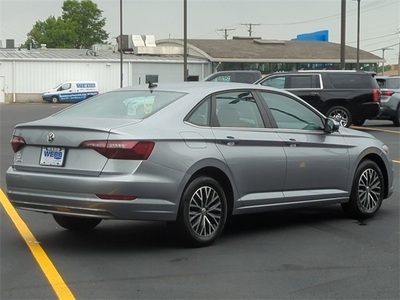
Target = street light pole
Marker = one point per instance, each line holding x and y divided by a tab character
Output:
120	42
185	70
343	37
358	35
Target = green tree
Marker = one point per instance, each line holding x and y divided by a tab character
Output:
80	26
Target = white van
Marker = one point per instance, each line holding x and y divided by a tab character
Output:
71	91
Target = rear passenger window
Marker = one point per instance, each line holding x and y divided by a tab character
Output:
351	81
393	83
238	109
201	115
304	81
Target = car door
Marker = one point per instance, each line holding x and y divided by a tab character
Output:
253	153
65	91
317	161
308	87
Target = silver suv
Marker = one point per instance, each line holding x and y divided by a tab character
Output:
390	98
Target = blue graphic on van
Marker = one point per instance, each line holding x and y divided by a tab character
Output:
85	85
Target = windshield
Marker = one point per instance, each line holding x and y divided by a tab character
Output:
122	104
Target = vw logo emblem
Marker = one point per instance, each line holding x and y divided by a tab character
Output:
50	137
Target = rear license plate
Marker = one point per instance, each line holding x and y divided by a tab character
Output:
52	156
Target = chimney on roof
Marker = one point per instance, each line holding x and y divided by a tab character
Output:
10	44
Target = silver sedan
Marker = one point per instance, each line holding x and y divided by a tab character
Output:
193	154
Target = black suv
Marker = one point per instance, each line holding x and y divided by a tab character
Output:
350	97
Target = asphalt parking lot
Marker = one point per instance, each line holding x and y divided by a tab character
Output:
316	253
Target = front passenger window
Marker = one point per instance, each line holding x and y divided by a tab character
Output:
291	114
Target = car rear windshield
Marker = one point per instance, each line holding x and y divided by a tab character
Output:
122	104
352	81
389	83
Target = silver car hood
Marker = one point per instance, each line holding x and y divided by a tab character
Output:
354	133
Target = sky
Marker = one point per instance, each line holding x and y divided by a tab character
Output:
208	19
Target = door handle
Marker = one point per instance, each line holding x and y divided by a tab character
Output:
292	143
314	94
230	141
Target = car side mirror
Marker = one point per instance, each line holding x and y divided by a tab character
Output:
331	125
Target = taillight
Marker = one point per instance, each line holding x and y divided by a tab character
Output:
134	150
17	143
376	95
387	93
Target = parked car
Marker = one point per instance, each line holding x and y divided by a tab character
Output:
234	76
390	98
71	91
193	153
350	97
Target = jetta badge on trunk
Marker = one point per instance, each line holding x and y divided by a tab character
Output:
50	137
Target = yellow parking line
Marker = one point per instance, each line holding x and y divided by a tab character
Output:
55	279
396	161
375	129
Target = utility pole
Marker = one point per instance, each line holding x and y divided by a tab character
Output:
185	69
398	61
343	37
250	26
121	53
358	34
225	30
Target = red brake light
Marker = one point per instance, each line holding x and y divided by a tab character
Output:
17	142
376	95
387	93
135	150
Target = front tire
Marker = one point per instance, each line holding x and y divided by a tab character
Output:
76	223
367	191
54	99
358	122
203	212
341	115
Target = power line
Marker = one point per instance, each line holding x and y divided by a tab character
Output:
374	38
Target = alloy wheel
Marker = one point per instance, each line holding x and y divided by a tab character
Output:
205	211
340	116
369	190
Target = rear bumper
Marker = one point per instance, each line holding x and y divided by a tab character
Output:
157	197
366	111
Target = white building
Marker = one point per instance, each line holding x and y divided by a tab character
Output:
26	74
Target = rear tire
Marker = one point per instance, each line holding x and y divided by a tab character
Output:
203	212
341	115
76	223
54	99
367	191
396	118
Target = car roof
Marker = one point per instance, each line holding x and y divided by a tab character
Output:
193	86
